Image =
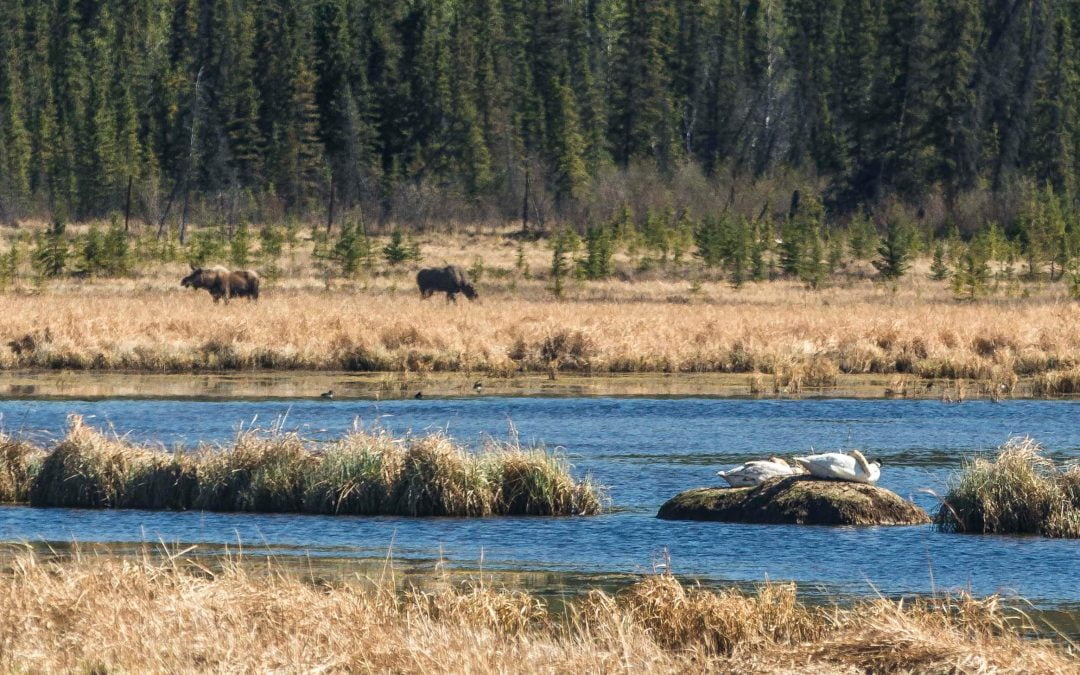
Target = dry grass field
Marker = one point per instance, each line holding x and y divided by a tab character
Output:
169	614
679	319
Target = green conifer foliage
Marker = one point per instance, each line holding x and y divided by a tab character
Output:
51	249
893	253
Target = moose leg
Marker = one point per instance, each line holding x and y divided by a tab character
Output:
451	297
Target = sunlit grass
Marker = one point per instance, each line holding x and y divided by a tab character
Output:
359	474
20	461
672	319
100	615
1019	491
796	339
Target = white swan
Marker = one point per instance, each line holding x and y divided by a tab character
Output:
840	466
756	472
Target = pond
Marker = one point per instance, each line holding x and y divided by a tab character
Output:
644	450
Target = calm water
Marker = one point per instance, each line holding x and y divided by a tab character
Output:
644	450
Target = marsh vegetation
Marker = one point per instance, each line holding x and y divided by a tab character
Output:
359	474
786	337
65	615
1017	491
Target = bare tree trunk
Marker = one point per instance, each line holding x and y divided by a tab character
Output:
127	206
330	209
185	180
525	203
191	156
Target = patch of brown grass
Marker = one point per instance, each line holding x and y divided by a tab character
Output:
1019	491
147	615
360	474
19	463
658	322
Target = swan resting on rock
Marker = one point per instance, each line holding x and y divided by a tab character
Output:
756	472
840	466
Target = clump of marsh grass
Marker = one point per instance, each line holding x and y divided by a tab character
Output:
532	481
1056	383
356	475
265	474
89	469
19	463
508	612
682	618
1019	491
360	474
439	478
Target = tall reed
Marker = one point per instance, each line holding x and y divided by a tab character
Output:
19	463
1019	491
359	474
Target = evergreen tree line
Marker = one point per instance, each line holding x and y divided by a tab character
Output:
428	110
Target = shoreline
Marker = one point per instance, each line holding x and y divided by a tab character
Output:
274	617
16	385
336	566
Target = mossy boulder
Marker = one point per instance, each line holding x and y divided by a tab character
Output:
798	500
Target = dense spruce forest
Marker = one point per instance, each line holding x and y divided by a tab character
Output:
955	113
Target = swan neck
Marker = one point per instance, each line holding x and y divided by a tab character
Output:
861	461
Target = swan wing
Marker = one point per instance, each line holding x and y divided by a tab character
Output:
829	465
754	473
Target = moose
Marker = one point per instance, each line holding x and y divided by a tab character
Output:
223	284
450	280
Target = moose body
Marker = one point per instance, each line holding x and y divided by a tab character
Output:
244	284
223	284
450	280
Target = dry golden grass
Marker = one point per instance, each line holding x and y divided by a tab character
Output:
804	339
19	464
659	322
153	615
359	474
1018	491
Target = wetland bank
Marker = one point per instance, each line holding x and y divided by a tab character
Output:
783	336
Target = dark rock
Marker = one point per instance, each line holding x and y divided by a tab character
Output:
798	500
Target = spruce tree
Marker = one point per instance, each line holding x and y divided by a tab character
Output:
953	122
240	246
939	268
50	255
972	272
352	251
397	250
118	259
711	239
599	248
562	250
893	253
1056	125
15	139
571	175
641	106
811	267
